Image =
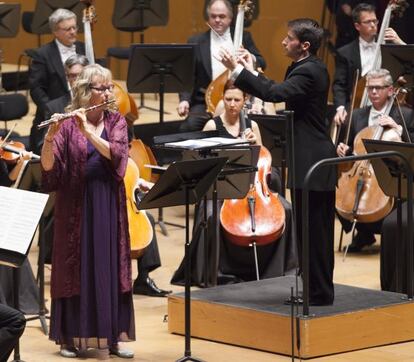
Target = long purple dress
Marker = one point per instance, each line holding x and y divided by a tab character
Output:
101	315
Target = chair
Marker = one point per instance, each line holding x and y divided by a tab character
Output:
13	106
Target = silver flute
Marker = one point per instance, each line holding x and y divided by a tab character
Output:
61	117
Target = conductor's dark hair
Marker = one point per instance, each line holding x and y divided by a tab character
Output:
307	30
356	11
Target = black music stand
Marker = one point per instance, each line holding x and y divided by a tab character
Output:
162	68
9	20
277	137
137	15
399	60
29	179
184	183
390	172
44	8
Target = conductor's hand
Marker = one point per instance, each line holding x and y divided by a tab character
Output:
245	59
342	149
183	109
340	116
228	60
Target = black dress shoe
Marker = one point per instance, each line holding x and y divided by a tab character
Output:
360	241
299	301
148	287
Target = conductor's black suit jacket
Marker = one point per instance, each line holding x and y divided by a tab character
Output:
347	61
305	91
203	70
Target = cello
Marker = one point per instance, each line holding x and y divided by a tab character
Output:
359	197
214	92
260	216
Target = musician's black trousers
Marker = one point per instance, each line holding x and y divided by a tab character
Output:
12	323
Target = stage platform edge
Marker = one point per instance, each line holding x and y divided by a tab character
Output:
253	315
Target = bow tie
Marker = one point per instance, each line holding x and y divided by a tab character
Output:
375	115
68	50
368	46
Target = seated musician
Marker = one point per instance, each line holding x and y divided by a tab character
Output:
380	89
207	66
236	263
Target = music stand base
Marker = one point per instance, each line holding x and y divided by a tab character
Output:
189	358
43	323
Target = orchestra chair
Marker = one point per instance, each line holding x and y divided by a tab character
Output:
13	107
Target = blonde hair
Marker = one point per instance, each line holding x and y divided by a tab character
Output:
82	91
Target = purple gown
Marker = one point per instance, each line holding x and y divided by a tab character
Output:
101	315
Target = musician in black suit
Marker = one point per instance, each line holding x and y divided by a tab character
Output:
380	91
305	91
47	78
357	55
207	67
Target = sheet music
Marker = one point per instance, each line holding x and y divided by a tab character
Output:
21	211
206	142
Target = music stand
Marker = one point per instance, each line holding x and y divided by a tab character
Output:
399	60
44	8
31	175
277	137
9	20
162	68
389	173
137	15
184	183
132	14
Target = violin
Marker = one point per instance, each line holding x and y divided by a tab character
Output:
260	216
10	151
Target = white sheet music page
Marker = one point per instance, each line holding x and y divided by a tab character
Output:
20	213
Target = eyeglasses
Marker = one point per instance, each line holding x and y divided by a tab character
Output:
103	89
371	88
72	75
367	22
69	28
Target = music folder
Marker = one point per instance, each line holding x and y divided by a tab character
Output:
21	211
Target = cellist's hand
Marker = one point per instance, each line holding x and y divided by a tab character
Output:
340	115
387	121
144	185
342	149
249	135
392	36
183	108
